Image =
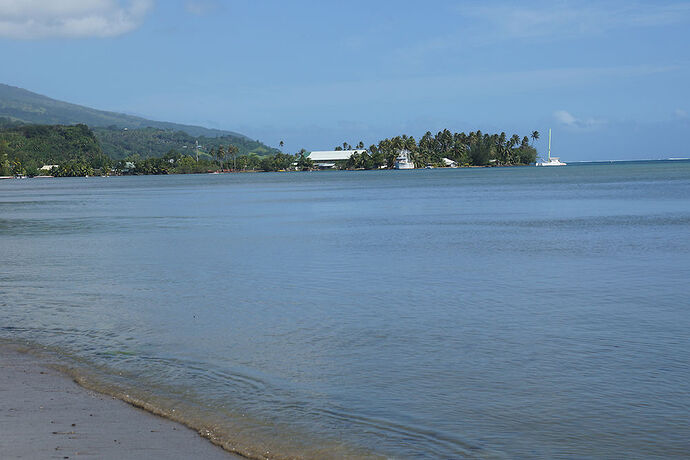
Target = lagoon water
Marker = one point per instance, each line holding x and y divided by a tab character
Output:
469	313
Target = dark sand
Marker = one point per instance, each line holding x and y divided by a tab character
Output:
45	414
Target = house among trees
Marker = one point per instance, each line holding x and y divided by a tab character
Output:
326	159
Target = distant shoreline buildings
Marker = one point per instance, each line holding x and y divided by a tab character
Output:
327	159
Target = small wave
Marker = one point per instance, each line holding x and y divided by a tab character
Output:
238	433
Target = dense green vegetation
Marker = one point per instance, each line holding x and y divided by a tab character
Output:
473	149
78	152
25	148
74	168
171	163
174	162
119	143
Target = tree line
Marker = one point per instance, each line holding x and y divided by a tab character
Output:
224	158
473	149
24	149
77	151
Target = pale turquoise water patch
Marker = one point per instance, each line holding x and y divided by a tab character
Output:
513	312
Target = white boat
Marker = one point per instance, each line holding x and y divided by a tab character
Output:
552	161
403	160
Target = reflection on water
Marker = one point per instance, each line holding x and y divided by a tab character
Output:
513	312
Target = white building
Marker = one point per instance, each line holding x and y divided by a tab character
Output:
47	167
328	158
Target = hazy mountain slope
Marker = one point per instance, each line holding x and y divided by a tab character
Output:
23	105
119	134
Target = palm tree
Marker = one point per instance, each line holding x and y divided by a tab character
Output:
304	163
535	136
514	140
220	154
502	139
232	150
471	138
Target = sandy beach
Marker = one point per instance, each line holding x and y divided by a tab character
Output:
45	414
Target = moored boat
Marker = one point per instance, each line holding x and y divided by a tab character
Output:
403	160
552	161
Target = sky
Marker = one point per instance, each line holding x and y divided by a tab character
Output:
610	78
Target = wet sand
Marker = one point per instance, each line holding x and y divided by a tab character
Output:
45	414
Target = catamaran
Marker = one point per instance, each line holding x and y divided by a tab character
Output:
552	161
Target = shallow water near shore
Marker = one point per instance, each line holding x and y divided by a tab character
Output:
470	313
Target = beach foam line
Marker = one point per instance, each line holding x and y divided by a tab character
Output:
238	437
44	413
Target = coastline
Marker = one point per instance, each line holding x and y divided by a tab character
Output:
44	413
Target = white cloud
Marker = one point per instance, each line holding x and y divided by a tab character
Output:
31	19
567	119
680	113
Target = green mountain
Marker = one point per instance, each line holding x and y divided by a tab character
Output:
120	135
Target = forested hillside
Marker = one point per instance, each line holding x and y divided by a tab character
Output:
120	135
120	143
25	148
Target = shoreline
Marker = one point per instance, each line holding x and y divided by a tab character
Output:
259	171
44	412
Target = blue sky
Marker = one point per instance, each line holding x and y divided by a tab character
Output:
610	77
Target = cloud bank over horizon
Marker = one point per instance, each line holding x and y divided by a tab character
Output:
37	19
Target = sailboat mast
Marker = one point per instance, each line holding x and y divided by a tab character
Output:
549	144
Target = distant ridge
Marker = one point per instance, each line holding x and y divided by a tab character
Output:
22	105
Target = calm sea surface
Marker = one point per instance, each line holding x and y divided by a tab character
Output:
470	313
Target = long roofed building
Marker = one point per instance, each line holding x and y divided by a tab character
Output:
328	158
